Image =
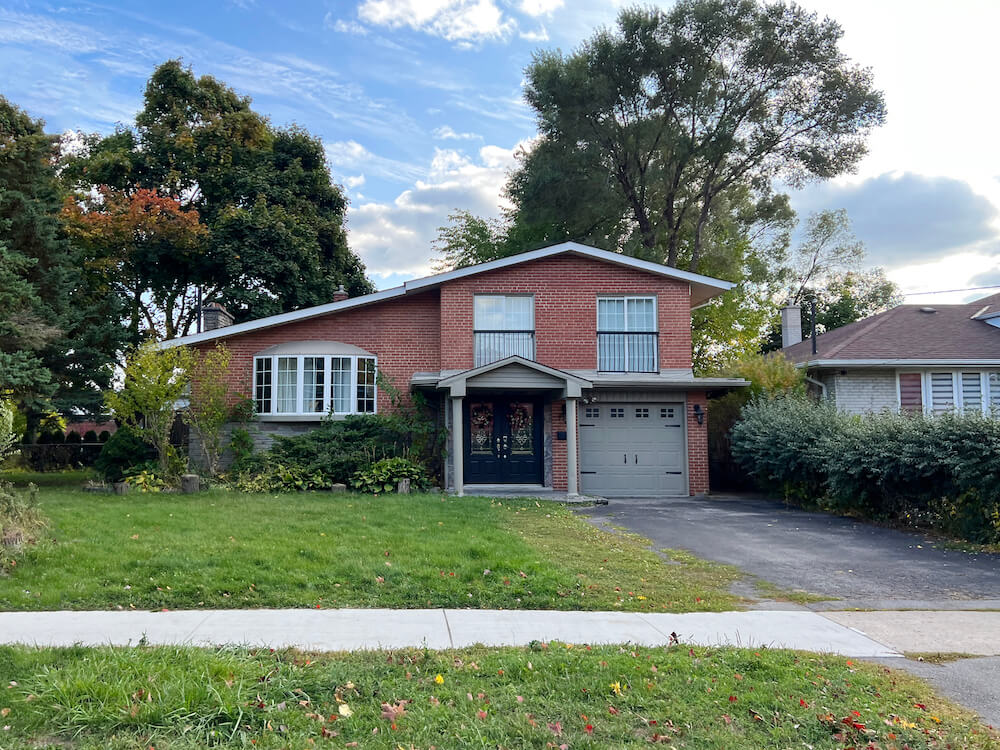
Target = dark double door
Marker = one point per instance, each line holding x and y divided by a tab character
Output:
503	440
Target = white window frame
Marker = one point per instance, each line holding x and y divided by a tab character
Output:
328	400
625	300
482	357
956	387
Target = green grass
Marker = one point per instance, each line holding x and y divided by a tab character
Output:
67	478
175	698
769	590
227	550
938	657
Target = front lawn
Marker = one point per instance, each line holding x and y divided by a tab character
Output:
552	696
222	549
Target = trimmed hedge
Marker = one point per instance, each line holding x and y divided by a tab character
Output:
940	471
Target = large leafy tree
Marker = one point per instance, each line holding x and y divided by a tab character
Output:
58	320
825	271
646	128
274	235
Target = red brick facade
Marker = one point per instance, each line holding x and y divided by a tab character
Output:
566	290
433	331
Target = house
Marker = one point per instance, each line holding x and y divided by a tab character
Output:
566	367
912	358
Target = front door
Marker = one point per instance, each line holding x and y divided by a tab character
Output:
503	440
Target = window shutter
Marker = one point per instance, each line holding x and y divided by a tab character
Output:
911	396
942	392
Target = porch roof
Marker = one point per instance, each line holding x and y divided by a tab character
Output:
512	373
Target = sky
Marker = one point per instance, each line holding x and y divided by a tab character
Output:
419	104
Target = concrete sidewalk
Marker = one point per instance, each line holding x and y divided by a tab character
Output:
352	629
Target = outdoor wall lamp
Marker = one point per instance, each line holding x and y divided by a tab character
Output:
699	413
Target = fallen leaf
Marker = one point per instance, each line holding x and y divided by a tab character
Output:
345	710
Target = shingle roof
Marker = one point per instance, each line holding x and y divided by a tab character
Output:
911	333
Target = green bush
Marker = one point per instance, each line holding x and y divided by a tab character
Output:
242	448
384	476
20	523
276	477
90	436
939	471
104	436
73	438
338	449
124	450
146	479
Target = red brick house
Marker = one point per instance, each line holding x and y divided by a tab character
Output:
567	367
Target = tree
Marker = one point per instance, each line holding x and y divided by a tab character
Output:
208	406
825	271
468	239
58	321
275	238
149	248
649	126
155	381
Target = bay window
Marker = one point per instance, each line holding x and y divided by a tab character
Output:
300	385
626	334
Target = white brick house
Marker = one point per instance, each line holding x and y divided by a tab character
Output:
912	358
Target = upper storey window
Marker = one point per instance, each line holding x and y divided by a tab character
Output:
626	334
504	327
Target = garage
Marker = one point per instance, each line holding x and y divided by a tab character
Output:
633	449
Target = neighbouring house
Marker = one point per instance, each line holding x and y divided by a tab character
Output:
912	358
567	367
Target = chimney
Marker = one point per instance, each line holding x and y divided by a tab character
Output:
214	316
791	325
341	294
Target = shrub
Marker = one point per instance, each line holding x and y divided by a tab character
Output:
146	479
276	477
208	408
121	452
941	471
104	436
90	436
384	476
338	449
242	447
73	438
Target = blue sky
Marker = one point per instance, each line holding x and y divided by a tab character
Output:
419	105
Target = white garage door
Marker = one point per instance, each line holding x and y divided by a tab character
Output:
633	450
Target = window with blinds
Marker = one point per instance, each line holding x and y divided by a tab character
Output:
911	392
942	392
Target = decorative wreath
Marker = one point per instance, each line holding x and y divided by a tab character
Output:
518	417
481	417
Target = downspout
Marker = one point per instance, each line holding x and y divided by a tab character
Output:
818	384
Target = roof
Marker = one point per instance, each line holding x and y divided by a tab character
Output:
910	335
703	288
679	379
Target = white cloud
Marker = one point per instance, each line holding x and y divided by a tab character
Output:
354	181
350	156
395	238
447	133
461	21
343	26
540	7
540	34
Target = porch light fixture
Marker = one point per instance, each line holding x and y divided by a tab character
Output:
699	413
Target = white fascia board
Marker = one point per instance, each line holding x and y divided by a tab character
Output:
514	360
283	318
570	247
899	363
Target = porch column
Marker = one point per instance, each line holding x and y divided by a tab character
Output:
457	445
572	473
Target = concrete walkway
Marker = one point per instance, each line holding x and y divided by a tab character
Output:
352	629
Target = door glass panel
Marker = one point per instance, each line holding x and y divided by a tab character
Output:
481	427
521	420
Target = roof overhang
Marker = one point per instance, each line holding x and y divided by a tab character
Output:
702	289
522	374
912	362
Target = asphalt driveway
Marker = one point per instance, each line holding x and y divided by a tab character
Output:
860	564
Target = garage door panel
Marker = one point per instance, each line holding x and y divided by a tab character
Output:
633	449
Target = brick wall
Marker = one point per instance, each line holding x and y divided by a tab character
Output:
565	289
697	439
404	334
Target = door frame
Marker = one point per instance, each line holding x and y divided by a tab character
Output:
538	428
